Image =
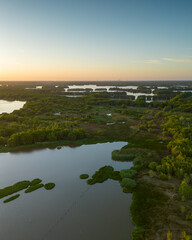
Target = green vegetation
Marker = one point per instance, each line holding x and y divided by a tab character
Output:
49	186
189	217
30	185
145	199
14	188
34	187
128	173
159	136
184	236
153	165
185	190
100	176
84	176
35	181
128	183
11	198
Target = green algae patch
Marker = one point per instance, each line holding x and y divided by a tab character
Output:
14	188
11	198
84	176
49	186
35	181
33	188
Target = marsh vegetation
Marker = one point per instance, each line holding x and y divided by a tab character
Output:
30	186
158	132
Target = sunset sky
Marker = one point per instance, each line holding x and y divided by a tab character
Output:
95	39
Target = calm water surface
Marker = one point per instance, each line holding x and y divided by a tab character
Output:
73	210
10	106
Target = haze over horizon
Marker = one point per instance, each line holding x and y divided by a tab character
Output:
95	40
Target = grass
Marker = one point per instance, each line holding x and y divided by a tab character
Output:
14	188
33	188
35	181
49	186
147	141
11	198
84	176
119	155
139	156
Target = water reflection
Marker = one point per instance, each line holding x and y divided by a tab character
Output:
10	106
73	210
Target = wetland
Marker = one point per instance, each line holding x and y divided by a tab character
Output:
107	164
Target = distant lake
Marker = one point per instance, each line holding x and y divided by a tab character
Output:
10	106
73	210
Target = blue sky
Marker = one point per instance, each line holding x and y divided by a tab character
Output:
95	40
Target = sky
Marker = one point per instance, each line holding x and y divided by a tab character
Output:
95	40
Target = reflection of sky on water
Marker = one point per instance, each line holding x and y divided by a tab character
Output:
72	210
10	106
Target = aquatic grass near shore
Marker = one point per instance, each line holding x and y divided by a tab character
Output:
14	188
33	188
84	176
35	181
30	185
49	186
11	198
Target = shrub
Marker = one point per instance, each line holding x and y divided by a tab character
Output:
149	154
84	176
11	198
158	168
169	235
189	217
128	183
151	173
153	165
185	190
163	176
138	233
182	209
2	140
49	186
100	132
137	161
127	173
115	175
126	190
101	175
